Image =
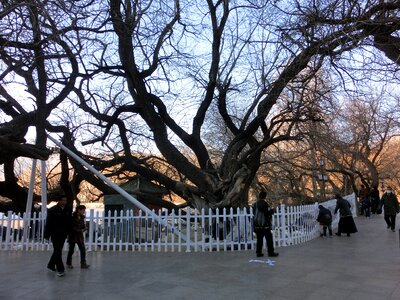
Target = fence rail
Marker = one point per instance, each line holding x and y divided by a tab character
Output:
198	231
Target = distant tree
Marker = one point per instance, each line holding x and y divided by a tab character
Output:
357	142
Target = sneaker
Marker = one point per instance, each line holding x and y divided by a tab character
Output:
273	254
260	255
393	230
84	266
70	266
61	274
51	269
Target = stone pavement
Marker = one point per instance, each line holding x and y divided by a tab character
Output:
363	266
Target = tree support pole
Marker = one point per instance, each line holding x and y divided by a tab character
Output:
44	187
112	184
31	187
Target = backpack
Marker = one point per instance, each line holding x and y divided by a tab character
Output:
259	218
327	218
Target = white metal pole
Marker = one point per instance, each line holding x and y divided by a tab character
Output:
31	187
44	187
28	209
109	182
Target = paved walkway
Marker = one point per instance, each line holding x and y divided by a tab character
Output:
363	266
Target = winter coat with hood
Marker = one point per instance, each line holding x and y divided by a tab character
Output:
78	228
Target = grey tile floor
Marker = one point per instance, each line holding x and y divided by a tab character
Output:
363	266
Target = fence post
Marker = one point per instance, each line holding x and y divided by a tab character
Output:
210	241
91	222
283	224
196	228
225	230
232	228
8	230
166	230
188	230
316	226
217	228
179	230
173	231
203	231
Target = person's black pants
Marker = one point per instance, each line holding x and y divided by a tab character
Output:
261	233
82	251
325	227
56	258
390	221
367	211
374	206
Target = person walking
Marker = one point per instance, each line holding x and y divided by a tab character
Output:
325	220
58	225
346	221
262	225
362	197
390	208
374	196
76	236
366	206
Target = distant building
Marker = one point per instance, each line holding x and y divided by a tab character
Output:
146	192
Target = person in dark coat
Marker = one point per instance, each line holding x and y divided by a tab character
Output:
346	221
363	199
264	229
325	220
76	236
390	208
374	196
58	225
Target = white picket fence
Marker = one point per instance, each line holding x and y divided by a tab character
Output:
198	231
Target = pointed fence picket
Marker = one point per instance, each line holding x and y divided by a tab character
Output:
197	231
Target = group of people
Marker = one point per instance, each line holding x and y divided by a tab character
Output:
371	202
61	224
346	222
263	215
367	199
370	199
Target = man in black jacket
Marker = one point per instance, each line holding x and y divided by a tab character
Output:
263	228
390	208
58	225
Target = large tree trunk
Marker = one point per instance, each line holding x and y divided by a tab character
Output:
10	188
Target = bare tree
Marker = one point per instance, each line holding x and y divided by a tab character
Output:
157	71
40	54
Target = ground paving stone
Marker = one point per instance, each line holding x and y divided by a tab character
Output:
363	266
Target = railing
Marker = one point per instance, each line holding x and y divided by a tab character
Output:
198	231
